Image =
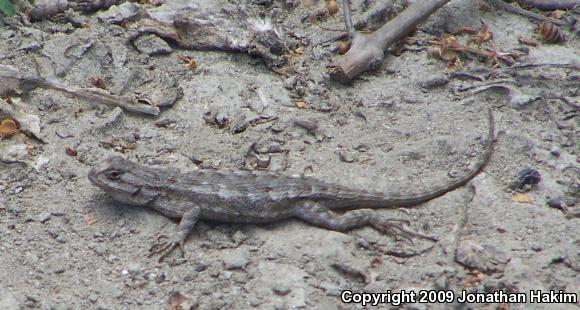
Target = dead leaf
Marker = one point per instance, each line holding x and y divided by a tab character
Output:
475	278
98	82
179	302
484	7
482	36
551	33
521	198
456	64
557	14
503	307
447	48
527	41
190	63
27	123
376	262
300	104
299	50
332	7
89	220
343	47
71	152
8	127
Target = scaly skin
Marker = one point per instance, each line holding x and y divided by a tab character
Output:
257	197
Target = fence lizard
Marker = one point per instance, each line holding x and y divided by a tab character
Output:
257	197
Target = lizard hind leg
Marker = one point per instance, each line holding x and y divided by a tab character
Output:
316	214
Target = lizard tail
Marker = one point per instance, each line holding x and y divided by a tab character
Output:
378	200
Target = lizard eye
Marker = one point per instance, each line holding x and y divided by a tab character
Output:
114	174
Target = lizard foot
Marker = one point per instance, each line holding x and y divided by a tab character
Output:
164	246
397	227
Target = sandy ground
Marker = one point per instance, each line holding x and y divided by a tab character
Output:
410	125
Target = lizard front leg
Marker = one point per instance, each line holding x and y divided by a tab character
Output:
316	214
165	245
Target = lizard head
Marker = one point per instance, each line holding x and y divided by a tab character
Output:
123	179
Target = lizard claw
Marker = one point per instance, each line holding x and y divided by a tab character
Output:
164	246
396	227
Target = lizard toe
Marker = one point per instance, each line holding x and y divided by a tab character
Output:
164	246
397	227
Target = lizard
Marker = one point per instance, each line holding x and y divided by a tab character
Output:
242	196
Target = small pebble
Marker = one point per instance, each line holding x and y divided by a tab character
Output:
134	267
555	151
262	2
561	203
281	288
43	217
526	176
189	277
57	213
160	278
236	260
199	267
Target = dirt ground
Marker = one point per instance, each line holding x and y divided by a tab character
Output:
412	124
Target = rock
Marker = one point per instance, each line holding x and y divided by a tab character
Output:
134	267
112	120
201	266
152	45
117	14
435	82
33	39
281	288
485	258
7	34
166	97
262	2
43	217
237	260
11	154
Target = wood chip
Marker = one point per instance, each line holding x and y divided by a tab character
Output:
300	104
521	198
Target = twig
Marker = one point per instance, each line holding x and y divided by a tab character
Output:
333	39
513	9
50	8
15	80
97	95
550	5
551	65
367	53
567	101
348	17
459	228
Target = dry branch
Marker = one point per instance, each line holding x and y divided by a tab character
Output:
13	81
549	5
367	50
46	9
513	9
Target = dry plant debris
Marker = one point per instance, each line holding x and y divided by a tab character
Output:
551	33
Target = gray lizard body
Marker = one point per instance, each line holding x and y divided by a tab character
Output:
256	197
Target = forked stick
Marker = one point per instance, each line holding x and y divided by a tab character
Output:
367	50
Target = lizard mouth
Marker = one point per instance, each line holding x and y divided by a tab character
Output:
94	177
